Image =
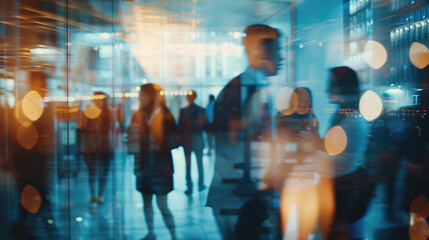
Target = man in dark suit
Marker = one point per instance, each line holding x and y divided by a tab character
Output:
192	123
242	115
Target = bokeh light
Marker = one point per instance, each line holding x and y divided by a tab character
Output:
370	105
419	230
335	140
419	211
375	54
32	105
19	115
286	101
419	55
305	201
31	199
304	101
27	136
419	208
92	111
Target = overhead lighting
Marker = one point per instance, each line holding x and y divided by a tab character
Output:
105	35
44	51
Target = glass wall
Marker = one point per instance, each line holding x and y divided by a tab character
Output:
200	119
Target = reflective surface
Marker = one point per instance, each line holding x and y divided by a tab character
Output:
200	119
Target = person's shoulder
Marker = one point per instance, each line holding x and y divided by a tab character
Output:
231	87
183	109
168	113
235	82
199	107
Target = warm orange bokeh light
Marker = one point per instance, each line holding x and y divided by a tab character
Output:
370	105
32	105
419	55
420	208
335	140
314	203
27	136
19	115
419	211
286	101
92	111
31	199
419	230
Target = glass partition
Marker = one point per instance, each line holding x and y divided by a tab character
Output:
200	119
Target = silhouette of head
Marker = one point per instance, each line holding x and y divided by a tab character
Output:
211	98
100	99
343	85
151	97
262	48
192	95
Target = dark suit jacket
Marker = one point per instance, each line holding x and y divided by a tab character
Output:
192	123
228	106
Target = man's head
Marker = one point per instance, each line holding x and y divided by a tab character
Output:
262	48
192	95
211	98
100	99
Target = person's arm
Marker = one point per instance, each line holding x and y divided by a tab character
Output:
202	119
172	131
134	133
181	121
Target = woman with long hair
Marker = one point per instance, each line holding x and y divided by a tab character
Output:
152	135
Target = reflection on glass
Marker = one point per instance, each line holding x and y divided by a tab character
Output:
290	146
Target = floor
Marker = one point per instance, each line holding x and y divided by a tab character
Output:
121	217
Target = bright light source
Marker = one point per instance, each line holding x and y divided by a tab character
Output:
32	105
286	101
375	54
44	51
105	35
236	35
335	140
370	105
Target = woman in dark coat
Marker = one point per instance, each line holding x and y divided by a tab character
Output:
96	143
152	135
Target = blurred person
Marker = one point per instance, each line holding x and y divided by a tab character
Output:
409	131
340	199
301	121
192	123
209	132
383	158
34	140
286	177
289	128
353	187
96	127
241	114
152	135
